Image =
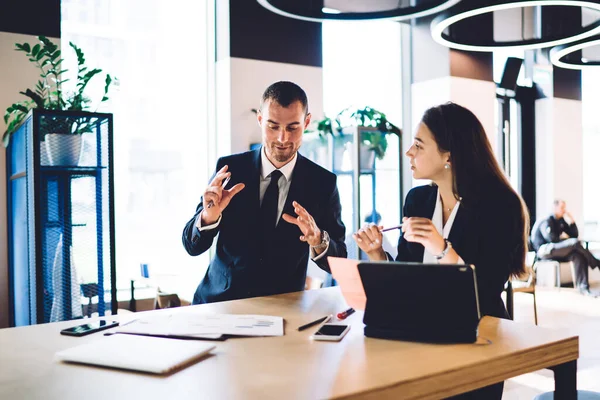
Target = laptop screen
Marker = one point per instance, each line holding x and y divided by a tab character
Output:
420	297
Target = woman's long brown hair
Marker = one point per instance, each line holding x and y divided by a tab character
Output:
475	169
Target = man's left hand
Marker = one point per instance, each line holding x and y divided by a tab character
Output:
310	231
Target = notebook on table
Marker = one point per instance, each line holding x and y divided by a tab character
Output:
137	353
420	302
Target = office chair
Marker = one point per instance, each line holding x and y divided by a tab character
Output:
523	286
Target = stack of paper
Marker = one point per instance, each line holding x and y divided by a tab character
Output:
208	326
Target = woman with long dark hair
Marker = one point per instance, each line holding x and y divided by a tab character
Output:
469	214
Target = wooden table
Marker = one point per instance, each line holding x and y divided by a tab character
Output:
293	366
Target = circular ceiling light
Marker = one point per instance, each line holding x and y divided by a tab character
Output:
559	55
445	20
396	14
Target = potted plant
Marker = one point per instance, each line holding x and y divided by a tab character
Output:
63	133
373	140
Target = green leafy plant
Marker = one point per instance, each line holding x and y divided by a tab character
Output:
49	93
366	117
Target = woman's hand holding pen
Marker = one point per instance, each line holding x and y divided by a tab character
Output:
369	238
216	198
422	230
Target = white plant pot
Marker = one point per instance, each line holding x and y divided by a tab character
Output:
44	160
367	157
64	149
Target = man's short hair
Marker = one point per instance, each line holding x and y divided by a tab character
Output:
285	93
557	202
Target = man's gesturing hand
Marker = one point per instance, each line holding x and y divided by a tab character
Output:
219	197
310	231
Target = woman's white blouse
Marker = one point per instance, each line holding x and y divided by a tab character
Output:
444	230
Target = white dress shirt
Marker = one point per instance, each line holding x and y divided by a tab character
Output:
284	188
444	230
284	182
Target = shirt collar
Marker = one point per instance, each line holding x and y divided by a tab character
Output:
267	167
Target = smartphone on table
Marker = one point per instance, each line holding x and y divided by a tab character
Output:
86	329
331	332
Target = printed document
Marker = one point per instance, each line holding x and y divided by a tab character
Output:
208	326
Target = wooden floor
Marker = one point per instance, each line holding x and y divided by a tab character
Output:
563	309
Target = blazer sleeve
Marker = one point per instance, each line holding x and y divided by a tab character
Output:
335	228
572	230
552	231
195	241
408	251
403	250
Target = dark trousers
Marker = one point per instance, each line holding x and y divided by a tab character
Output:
572	250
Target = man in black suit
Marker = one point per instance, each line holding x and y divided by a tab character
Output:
554	238
277	209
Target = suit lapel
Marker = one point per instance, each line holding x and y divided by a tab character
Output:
296	189
425	211
253	186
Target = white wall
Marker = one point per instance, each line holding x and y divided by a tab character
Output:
16	74
476	95
559	155
479	97
249	79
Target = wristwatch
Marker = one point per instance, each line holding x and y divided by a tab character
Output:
445	251
324	241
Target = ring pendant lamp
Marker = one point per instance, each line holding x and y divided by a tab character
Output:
397	14
462	12
559	54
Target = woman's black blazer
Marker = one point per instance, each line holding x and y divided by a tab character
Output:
487	233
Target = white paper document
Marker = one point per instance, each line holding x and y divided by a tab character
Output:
206	325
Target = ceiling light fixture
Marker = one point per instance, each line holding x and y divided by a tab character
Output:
559	54
462	12
327	10
397	14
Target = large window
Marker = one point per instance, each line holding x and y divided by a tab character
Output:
161	53
508	121
362	67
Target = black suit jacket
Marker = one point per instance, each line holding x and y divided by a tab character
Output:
238	270
487	234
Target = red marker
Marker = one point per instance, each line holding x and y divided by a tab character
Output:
345	314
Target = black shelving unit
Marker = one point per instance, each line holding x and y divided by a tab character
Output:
61	211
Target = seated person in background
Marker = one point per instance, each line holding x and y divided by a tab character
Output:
278	210
554	238
351	245
469	214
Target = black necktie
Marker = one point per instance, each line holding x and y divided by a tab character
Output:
268	208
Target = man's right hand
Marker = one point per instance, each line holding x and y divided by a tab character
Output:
219	197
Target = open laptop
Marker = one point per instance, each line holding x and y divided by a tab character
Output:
420	302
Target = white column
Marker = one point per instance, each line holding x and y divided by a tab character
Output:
559	155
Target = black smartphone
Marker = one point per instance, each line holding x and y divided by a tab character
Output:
86	329
331	332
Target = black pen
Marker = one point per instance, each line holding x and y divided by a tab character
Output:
392	228
225	182
323	319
